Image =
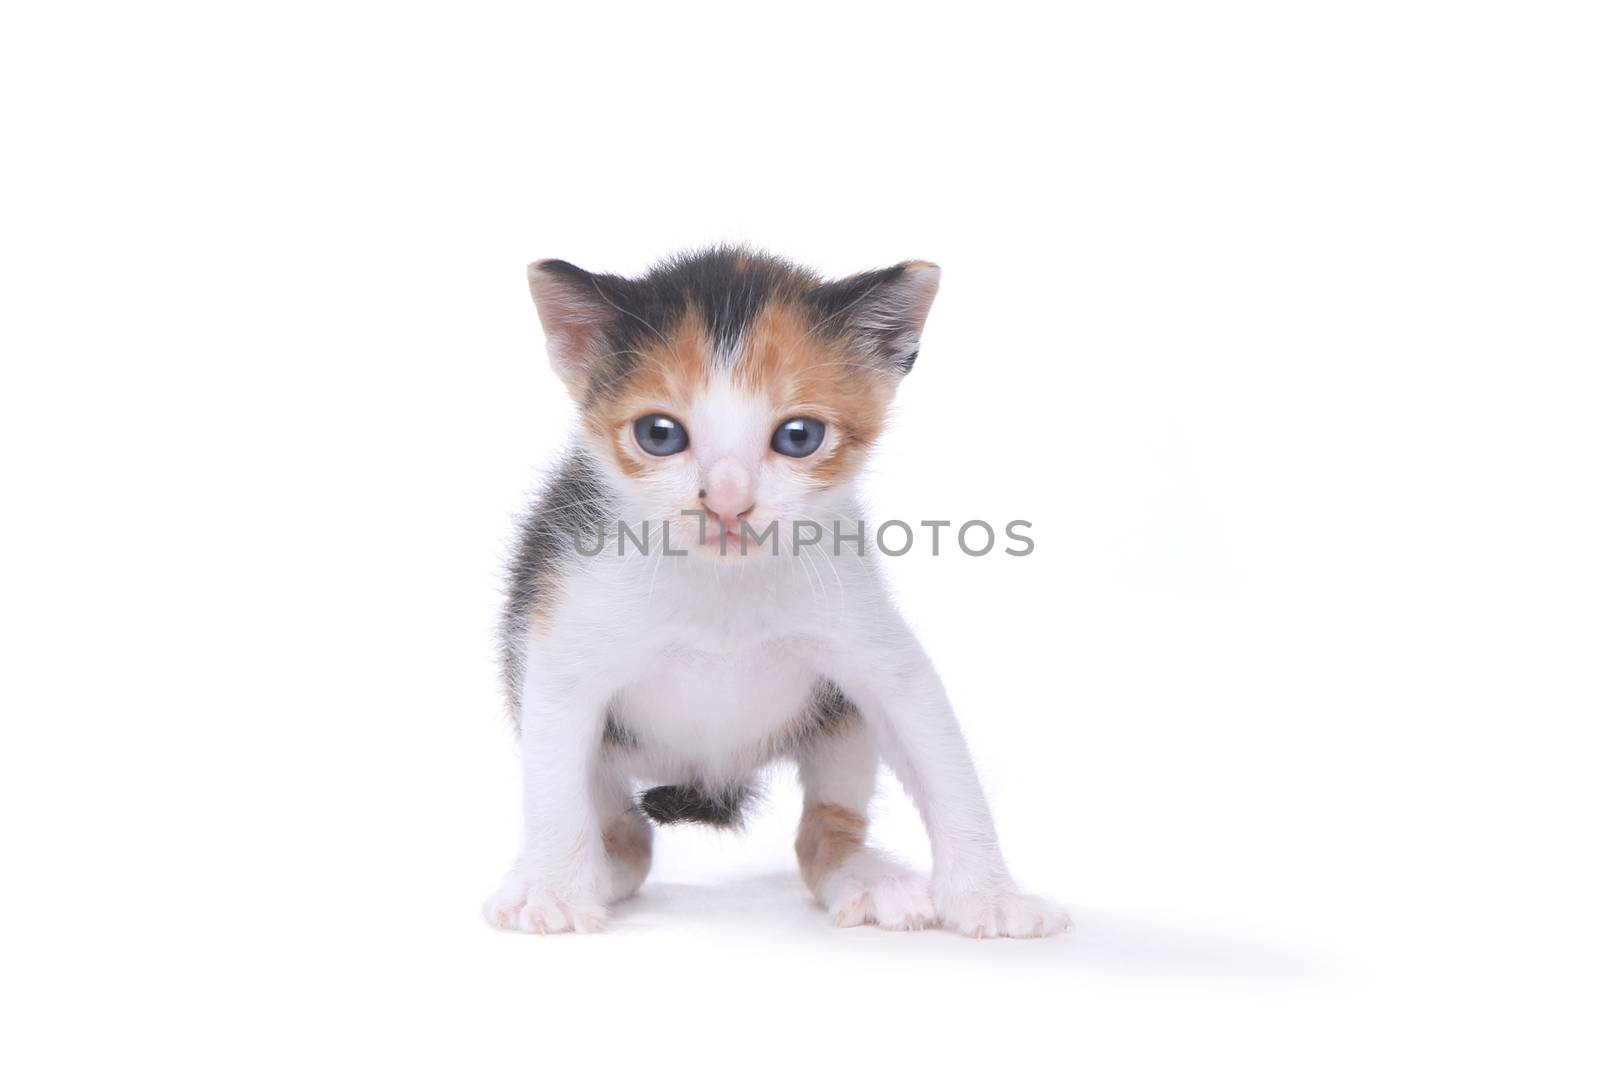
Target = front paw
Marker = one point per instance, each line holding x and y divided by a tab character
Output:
869	888
1002	912
534	905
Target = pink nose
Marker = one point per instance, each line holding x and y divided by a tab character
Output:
729	495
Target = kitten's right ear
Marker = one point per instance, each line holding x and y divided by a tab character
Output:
575	312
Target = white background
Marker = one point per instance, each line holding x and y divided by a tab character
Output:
1278	321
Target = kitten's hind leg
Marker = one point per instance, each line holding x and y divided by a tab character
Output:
626	832
855	883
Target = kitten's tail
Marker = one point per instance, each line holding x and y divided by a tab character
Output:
722	807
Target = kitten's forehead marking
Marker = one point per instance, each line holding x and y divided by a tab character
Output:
726	290
730	419
727	348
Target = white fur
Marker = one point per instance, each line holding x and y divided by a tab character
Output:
708	658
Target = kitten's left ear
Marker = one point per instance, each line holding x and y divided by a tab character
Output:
882	311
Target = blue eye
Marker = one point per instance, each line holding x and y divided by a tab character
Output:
798	438
659	435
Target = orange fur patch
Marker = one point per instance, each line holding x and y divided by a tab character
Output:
804	374
628	841
828	835
670	371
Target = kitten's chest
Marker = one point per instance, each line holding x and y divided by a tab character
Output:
701	703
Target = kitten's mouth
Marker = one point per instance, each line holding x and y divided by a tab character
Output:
724	538
732	542
705	533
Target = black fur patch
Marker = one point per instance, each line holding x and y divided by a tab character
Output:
573	504
729	286
828	712
723	808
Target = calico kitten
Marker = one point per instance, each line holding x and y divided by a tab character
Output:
725	394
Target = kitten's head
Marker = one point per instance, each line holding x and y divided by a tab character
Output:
731	381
